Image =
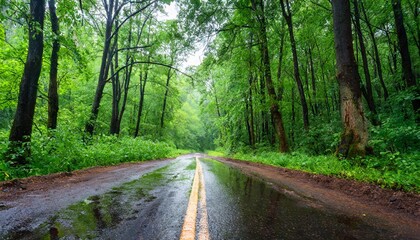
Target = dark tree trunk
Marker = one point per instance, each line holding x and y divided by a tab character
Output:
405	54
279	68
288	17
324	83
368	93
355	135
311	64
251	114
264	115
116	89
251	129
141	101
306	81
20	133
292	130
375	49
258	8
126	87
53	86
165	97
103	72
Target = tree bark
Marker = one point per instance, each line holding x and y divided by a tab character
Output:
20	133
369	93
143	82
103	72
250	107
288	17
376	51
311	64
408	75
354	138
258	8
116	88
165	97
53	85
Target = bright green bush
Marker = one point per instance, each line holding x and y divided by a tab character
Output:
64	151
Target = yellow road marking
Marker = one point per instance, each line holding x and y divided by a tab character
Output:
203	233
188	229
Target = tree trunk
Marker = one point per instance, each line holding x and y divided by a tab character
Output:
311	64
251	130
116	89
20	133
355	135
165	97
279	68
258	8
141	101
405	55
288	17
251	113
103	72
368	93
53	86
376	51
127	80
292	130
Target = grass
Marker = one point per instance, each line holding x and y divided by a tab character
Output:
387	171
66	153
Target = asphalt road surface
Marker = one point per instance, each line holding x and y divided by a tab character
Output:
191	197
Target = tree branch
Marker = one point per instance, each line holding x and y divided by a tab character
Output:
148	62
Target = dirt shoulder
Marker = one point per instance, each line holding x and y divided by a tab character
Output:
359	197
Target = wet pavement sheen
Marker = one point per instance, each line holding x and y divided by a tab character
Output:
244	207
239	207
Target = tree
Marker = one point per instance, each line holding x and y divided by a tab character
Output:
285	8
258	8
405	55
354	138
20	133
368	88
53	86
112	11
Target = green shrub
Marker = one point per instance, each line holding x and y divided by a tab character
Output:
64	151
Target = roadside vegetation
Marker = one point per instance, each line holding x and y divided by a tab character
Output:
65	153
394	164
398	172
105	82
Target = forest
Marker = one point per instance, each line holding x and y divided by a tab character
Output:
323	86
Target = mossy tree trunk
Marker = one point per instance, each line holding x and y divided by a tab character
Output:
354	139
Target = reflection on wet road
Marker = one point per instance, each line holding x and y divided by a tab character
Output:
151	207
243	207
238	206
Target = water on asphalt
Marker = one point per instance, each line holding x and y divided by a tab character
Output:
245	207
239	207
151	207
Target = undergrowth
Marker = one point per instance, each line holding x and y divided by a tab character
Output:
395	171
67	152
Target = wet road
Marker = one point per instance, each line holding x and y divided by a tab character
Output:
224	202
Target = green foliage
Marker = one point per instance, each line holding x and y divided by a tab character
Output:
64	151
388	171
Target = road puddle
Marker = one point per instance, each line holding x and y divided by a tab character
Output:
245	207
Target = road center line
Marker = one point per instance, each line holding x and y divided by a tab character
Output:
188	229
203	233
